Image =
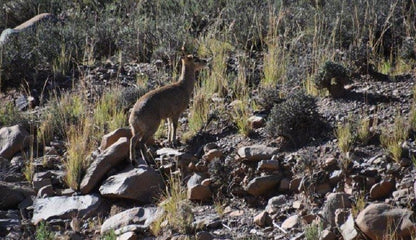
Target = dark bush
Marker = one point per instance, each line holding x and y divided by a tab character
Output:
296	119
332	76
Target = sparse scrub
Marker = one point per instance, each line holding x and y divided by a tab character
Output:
296	118
359	204
198	114
79	147
345	136
9	115
364	130
108	114
332	76
392	141
62	112
178	210
217	81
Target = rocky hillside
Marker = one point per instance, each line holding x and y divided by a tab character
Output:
303	125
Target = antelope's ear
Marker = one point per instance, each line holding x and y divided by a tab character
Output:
190	56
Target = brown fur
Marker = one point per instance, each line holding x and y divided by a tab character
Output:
167	102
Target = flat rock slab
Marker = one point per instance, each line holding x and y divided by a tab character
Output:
261	185
64	207
12	194
256	153
112	156
12	140
379	219
134	216
143	184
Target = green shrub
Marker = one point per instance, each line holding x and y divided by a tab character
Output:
332	76
296	118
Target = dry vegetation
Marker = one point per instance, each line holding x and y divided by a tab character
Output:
274	57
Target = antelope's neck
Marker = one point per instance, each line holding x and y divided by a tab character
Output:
187	78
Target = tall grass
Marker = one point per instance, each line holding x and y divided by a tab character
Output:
78	149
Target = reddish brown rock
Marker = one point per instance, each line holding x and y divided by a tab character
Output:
380	219
381	190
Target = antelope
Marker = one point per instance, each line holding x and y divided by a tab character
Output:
166	102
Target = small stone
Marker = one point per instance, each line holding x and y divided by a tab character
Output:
381	190
212	154
204	236
327	235
199	193
268	165
290	222
263	219
297	204
256	122
330	162
275	203
128	236
256	153
261	185
333	202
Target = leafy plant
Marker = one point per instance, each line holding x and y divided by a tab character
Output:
43	232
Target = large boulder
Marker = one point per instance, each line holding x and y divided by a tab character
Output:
111	157
12	194
380	220
333	202
64	207
256	153
143	184
262	185
141	216
12	140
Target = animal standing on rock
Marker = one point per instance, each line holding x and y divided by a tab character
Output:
167	102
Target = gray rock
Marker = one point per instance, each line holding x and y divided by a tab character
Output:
256	153
12	194
112	156
333	202
275	203
261	185
195	179
41	179
13	140
346	226
269	165
64	207
380	219
143	184
141	216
